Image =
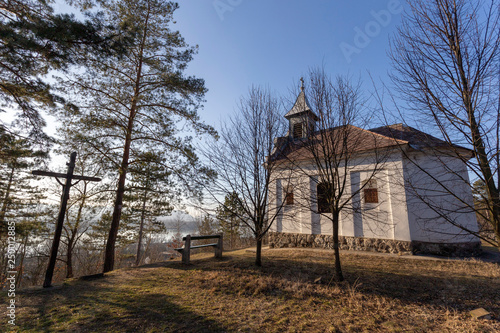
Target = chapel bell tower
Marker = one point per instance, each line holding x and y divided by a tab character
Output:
301	119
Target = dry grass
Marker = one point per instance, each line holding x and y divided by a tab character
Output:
380	294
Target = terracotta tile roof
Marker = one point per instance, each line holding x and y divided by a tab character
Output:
409	134
359	140
417	139
354	138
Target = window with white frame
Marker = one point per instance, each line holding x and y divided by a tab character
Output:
370	191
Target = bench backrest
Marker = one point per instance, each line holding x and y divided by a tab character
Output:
202	237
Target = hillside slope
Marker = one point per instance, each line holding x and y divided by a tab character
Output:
381	294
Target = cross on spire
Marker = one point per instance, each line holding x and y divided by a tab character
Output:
301	84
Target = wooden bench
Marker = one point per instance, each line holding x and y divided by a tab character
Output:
185	251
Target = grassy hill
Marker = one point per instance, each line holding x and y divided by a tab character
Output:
380	294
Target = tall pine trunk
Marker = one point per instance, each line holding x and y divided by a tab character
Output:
109	256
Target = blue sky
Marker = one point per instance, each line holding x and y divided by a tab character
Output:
273	43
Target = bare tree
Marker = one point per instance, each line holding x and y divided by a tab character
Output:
326	149
240	159
446	56
178	225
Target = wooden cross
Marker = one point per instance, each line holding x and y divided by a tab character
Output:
62	210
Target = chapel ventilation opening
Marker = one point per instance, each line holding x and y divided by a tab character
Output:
297	131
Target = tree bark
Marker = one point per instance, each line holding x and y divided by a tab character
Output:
258	255
484	164
5	203
336	249
231	233
71	239
109	257
21	263
479	145
141	227
69	259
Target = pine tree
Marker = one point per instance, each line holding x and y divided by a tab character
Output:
138	100
20	209
98	233
206	226
17	192
149	197
228	218
34	41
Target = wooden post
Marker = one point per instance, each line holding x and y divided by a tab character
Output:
187	250
60	221
218	249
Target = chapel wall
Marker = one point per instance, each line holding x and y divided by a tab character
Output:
386	220
431	207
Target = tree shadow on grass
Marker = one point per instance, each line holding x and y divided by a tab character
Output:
102	306
285	277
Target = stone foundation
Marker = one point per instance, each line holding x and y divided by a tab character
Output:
447	249
281	240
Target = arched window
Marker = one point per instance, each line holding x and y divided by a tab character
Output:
324	195
370	191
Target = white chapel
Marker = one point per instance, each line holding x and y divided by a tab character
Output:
396	206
